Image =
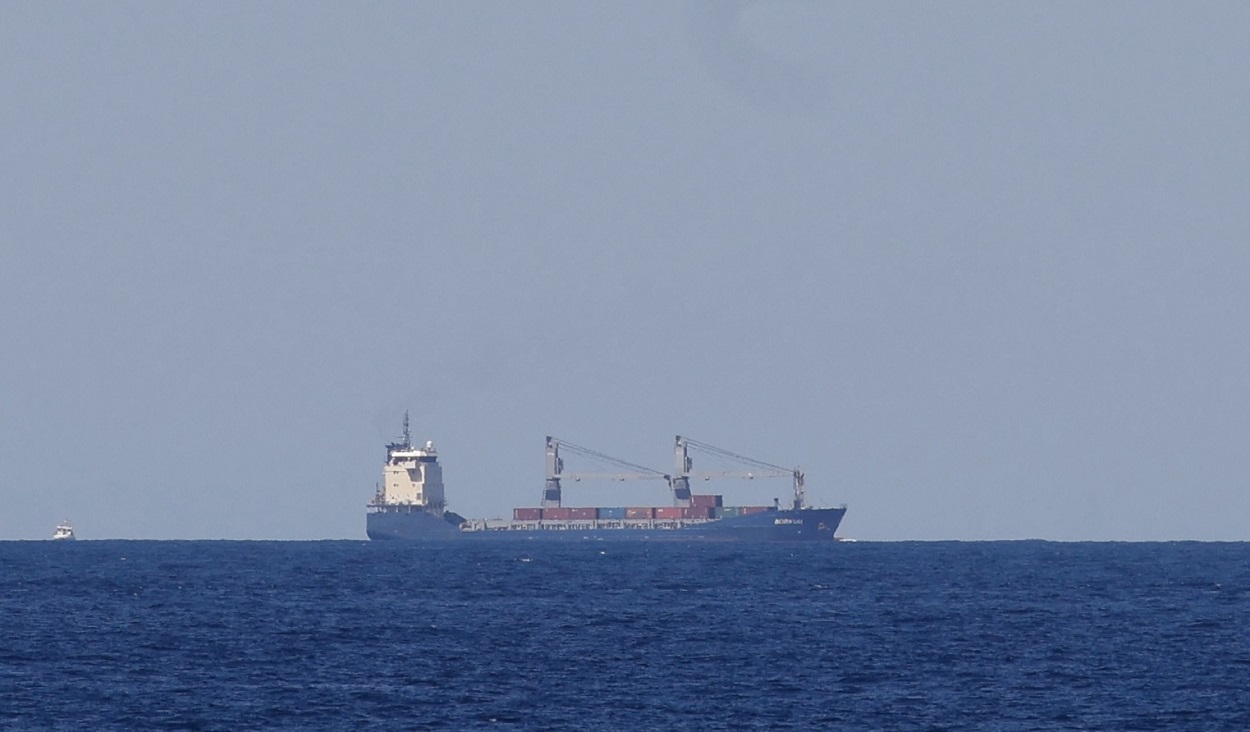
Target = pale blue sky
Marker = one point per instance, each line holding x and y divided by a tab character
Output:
979	268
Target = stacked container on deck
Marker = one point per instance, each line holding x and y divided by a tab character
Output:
702	507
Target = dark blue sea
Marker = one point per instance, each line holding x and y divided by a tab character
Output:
124	635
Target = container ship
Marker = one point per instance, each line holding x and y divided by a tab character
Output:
410	504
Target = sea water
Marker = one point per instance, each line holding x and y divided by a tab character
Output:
525	635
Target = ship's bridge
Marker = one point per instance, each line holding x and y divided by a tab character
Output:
412	476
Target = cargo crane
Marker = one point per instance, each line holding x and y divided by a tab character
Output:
681	481
555	469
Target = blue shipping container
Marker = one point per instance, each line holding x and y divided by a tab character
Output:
612	513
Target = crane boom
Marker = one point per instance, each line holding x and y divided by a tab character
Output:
611	476
552	491
763	469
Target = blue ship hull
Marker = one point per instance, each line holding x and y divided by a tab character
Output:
409	523
809	524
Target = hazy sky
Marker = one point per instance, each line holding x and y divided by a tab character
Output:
979	268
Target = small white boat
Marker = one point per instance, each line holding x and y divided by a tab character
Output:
64	532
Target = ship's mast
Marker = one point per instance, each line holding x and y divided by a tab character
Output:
681	474
407	434
555	470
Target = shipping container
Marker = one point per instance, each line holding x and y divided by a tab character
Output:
708	500
670	512
616	512
698	512
639	513
728	511
754	509
527	514
582	513
557	514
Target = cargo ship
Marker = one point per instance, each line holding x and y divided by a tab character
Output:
410	503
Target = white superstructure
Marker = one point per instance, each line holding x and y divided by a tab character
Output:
412	476
64	532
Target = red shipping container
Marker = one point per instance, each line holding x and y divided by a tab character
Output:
753	509
699	512
639	513
670	512
557	514
527	514
708	500
582	513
